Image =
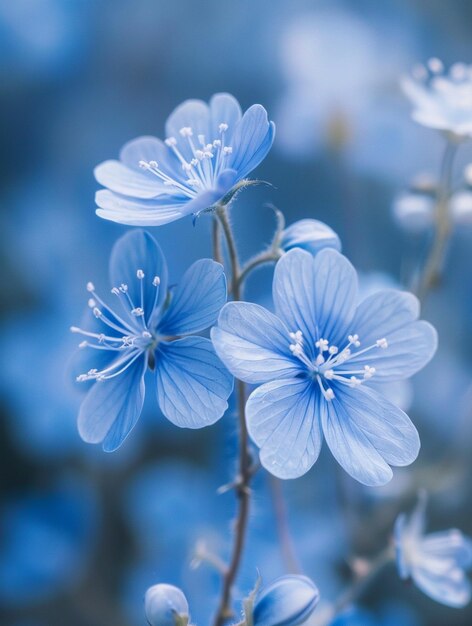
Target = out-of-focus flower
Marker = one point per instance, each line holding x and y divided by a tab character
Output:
209	149
288	601
413	211
461	207
192	384
310	235
166	605
315	376
45	541
442	101
436	562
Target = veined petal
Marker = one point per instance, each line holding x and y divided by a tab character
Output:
196	301
283	420
194	114
151	149
253	343
449	544
112	407
366	434
138	250
252	140
125	210
315	295
193	385
121	179
224	109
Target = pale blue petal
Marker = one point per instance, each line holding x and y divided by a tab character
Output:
193	385
287	601
138	250
196	301
450	545
283	420
366	434
194	114
252	140
254	344
448	586
125	210
151	149
112	407
121	179
224	109
316	295
310	235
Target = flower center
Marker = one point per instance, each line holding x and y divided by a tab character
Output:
329	364
208	160
131	333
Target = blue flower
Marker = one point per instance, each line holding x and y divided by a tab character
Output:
165	605
288	601
209	149
316	379
442	101
192	384
436	562
310	235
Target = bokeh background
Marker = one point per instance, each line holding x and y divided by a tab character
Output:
83	533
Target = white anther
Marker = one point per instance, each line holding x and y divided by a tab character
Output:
227	150
354	381
368	372
123	288
217	143
115	291
296	349
329	374
127	341
320	360
97	312
193	181
223	127
153	164
354	339
200	155
81	378
156	281
194	162
74	329
322	344
382	343
186	166
91	303
143	164
83	344
140	274
329	394
171	141
146	334
436	65
138	312
90	287
333	349
186	131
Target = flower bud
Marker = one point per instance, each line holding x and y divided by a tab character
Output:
165	605
311	235
461	207
414	212
288	601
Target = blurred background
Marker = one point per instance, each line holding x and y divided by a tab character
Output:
83	533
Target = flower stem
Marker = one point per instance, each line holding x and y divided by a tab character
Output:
266	256
432	270
224	611
216	241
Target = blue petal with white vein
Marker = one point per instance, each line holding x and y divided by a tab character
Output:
315	360
147	329
208	150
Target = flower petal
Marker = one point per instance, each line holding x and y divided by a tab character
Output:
194	114
366	434
451	588
138	250
253	343
252	140
224	109
124	210
151	149
197	300
192	384
315	295
449	544
283	420
122	179
112	407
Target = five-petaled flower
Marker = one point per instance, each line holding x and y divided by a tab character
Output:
436	562
442	101
149	329
209	149
318	359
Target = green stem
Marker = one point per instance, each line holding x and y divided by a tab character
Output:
224	611
266	256
434	263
